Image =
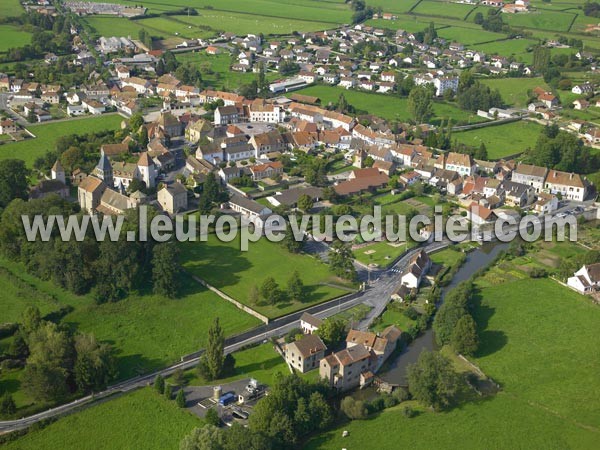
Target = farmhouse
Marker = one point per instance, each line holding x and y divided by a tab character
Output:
530	175
461	163
306	353
173	198
8	126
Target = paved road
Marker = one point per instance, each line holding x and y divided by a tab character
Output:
376	295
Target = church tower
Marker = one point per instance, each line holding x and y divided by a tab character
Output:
57	172
104	171
147	170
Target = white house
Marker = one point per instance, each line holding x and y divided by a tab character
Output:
586	279
418	267
309	323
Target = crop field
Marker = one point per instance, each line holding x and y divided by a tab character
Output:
443	9
514	92
387	106
502	140
47	134
141	419
13	37
225	267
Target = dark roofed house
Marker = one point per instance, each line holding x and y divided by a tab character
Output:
49	187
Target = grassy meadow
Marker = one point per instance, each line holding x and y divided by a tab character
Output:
47	134
514	92
141	419
502	140
539	342
387	106
13	37
11	8
225	267
147	331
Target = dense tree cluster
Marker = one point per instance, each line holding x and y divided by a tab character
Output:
341	261
448	326
591	9
108	269
432	380
562	151
57	362
362	12
478	96
49	34
420	104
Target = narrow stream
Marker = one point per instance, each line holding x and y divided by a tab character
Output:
476	259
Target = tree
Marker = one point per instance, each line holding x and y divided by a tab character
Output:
432	380
332	331
541	57
13	181
168	392
305	202
143	137
212	417
31	319
354	409
7	404
165	269
214	355
295	287
179	377
289	241
420	104
464	339
478	18
180	398
341	260
269	291
209	437
136	121
159	384
95	364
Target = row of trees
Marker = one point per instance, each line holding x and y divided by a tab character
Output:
453	323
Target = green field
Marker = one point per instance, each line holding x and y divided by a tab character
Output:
225	267
11	8
220	77
389	107
115	26
514	92
147	331
262	363
445	9
13	37
543	20
520	49
544	358
502	140
142	419
47	134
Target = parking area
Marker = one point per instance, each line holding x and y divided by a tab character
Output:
233	401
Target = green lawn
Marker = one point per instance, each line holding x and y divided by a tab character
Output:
12	37
514	91
220	77
447	257
544	20
262	363
11	8
381	253
539	341
47	134
389	107
502	140
519	48
142	419
224	266
393	316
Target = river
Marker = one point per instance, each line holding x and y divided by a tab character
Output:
476	259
